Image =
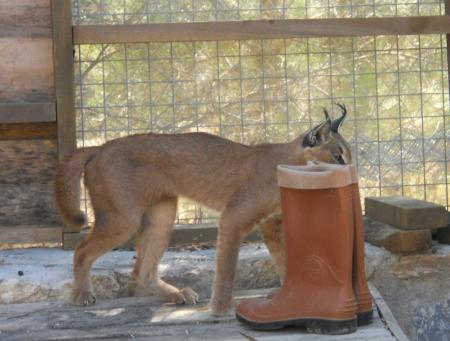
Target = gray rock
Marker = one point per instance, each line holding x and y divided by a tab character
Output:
413	286
432	321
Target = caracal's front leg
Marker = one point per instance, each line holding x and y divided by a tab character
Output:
228	243
236	221
273	235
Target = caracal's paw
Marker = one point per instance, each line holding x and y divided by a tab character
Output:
184	296
82	297
190	296
222	309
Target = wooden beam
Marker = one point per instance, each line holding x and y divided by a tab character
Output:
26	112
181	235
64	77
259	29
22	236
28	131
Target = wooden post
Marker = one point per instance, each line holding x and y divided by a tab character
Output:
447	36
64	77
64	81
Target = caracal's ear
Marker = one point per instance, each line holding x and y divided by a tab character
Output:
318	135
336	124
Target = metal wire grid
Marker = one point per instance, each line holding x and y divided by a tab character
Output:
152	11
398	131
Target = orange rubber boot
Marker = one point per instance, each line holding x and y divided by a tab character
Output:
360	287
318	225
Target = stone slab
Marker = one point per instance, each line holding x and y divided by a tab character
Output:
396	240
406	213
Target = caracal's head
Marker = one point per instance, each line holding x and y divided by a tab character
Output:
324	143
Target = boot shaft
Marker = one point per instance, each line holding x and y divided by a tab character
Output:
317	214
359	281
317	289
318	234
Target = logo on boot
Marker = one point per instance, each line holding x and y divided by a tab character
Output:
316	271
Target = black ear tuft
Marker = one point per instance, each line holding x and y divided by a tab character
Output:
327	115
336	124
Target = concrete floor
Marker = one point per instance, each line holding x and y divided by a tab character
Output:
415	287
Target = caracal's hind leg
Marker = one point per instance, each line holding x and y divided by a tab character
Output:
110	231
152	240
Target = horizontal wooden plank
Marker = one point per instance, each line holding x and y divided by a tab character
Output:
181	235
260	29
25	18
25	32
26	177
24	163
28	131
145	318
11	236
27	112
26	66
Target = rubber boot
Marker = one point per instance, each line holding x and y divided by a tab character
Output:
359	281
317	289
360	287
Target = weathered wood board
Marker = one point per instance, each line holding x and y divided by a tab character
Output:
26	57
30	235
25	18
146	318
181	235
27	69
26	173
28	131
31	112
28	149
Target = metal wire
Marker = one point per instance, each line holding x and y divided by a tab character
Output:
392	155
241	11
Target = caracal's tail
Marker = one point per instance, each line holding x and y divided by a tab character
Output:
67	187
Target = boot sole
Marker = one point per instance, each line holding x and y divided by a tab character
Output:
364	318
316	326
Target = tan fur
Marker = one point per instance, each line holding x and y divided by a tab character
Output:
134	183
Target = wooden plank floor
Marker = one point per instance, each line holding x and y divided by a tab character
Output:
146	318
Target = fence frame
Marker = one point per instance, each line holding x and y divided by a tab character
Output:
66	35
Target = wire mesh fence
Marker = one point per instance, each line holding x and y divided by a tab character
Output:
252	91
156	11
